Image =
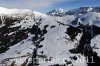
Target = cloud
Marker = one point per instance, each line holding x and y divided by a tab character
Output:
40	3
36	4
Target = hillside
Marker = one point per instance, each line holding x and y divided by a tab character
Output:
68	39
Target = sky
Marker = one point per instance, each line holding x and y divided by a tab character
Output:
47	5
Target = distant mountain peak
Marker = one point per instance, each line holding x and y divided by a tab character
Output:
60	10
56	12
83	10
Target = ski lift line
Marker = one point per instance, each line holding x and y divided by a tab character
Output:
92	34
62	23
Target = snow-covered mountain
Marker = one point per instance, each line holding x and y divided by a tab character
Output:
83	10
49	39
60	12
76	12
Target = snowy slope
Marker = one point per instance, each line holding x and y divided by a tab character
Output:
42	36
26	46
7	11
95	44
